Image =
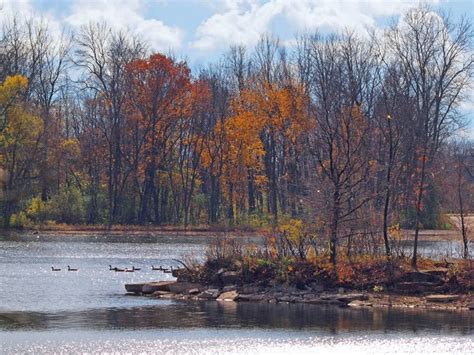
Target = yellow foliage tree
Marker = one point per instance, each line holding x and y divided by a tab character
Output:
18	143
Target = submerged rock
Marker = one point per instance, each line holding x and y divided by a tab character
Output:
228	296
360	304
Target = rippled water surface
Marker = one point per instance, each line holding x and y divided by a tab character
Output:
88	312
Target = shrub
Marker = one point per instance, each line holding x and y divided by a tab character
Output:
66	207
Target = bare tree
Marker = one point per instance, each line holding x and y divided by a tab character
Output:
103	54
437	65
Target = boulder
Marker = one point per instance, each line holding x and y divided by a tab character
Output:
442	298
184	287
228	296
134	288
352	297
250	289
150	287
359	304
251	297
209	294
284	299
193	291
326	301
163	294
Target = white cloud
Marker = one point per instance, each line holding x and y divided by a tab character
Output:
11	8
240	22
24	10
126	14
244	21
119	14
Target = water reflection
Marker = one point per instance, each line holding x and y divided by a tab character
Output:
171	315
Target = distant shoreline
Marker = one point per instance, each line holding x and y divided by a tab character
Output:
138	231
203	231
198	231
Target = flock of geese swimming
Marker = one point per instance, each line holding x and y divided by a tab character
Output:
118	269
68	269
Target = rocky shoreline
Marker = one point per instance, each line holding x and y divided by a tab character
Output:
340	297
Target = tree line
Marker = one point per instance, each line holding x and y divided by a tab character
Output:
351	133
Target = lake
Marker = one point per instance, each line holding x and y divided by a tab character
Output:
88	311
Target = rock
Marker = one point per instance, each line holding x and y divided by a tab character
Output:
163	294
295	299
284	299
228	296
251	297
229	288
134	288
327	297
327	301
184	287
352	297
442	298
310	296
359	304
316	287
204	296
150	287
299	293
230	277
250	289
193	291
211	293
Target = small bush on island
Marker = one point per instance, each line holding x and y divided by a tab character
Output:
288	258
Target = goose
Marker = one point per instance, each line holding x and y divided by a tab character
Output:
116	269
168	271
129	270
54	269
136	268
159	268
70	269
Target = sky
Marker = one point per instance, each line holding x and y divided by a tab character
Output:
202	30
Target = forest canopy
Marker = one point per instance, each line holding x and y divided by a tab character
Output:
352	134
